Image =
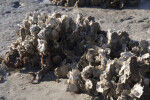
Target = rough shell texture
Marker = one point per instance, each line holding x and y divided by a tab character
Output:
96	62
102	3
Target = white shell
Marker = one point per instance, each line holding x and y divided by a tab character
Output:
136	91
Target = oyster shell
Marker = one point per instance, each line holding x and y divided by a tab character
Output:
96	62
102	3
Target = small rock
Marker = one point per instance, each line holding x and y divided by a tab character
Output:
8	12
8	74
140	21
23	88
21	77
23	69
35	81
57	80
16	4
1	79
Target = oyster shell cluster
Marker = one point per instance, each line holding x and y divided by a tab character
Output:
102	3
96	62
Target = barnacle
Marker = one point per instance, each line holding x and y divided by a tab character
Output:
96	62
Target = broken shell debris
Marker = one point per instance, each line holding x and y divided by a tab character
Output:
101	3
96	62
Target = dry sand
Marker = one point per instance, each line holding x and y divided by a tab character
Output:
17	86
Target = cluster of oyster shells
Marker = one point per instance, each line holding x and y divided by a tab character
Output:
102	3
96	62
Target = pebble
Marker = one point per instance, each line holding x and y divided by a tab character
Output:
23	88
23	68
1	79
8	74
57	80
21	76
